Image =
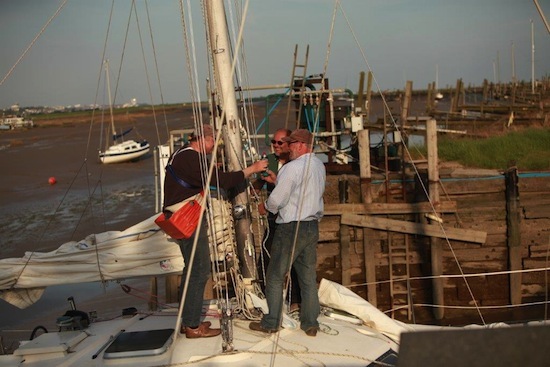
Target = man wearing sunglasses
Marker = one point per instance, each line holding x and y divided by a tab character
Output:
276	159
297	199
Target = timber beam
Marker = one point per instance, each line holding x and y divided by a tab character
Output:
389	208
434	230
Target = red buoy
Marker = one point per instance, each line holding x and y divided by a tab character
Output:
52	180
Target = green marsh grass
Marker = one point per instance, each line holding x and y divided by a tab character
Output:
528	149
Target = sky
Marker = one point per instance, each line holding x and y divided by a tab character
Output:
398	40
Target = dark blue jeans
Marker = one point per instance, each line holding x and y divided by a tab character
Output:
263	262
192	309
304	262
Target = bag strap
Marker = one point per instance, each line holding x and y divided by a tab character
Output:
179	180
170	169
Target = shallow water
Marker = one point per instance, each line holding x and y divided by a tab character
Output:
87	198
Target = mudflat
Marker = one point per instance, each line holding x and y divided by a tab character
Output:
36	215
88	197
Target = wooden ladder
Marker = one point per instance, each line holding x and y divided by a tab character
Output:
399	269
297	88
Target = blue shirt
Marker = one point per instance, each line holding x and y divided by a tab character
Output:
299	189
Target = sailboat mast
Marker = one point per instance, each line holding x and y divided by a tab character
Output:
231	127
109	96
539	9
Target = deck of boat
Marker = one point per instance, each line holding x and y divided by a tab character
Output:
153	343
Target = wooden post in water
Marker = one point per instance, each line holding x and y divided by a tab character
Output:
406	103
366	197
363	101
456	96
484	97
364	165
361	95
435	243
430	98
369	95
513	235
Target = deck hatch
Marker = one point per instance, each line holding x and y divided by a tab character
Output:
139	344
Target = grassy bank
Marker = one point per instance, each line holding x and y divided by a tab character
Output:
528	149
145	109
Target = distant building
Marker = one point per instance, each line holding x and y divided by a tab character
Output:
132	103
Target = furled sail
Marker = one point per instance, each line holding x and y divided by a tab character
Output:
140	250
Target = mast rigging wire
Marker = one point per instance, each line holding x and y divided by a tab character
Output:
32	42
396	127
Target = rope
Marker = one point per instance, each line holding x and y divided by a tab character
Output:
32	42
464	276
99	78
406	150
157	73
198	125
146	71
241	72
473	307
236	278
451	276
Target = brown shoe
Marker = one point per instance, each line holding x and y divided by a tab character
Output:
206	324
203	331
256	326
312	331
294	307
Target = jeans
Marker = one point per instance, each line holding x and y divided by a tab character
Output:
263	262
304	262
192	309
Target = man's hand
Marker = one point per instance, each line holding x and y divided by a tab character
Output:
256	167
261	209
271	177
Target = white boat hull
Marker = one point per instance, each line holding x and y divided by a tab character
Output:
365	338
338	343
124	152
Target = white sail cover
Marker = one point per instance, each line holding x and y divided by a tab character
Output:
337	296
141	250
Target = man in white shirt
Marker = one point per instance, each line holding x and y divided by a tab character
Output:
297	199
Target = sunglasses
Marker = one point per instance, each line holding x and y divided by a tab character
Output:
277	142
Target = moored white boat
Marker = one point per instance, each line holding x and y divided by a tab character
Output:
352	333
14	122
123	152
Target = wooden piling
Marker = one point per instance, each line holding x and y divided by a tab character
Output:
484	98
369	95
456	97
366	197
435	243
513	218
430	98
360	95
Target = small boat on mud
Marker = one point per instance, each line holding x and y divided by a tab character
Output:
124	151
15	122
353	332
128	150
